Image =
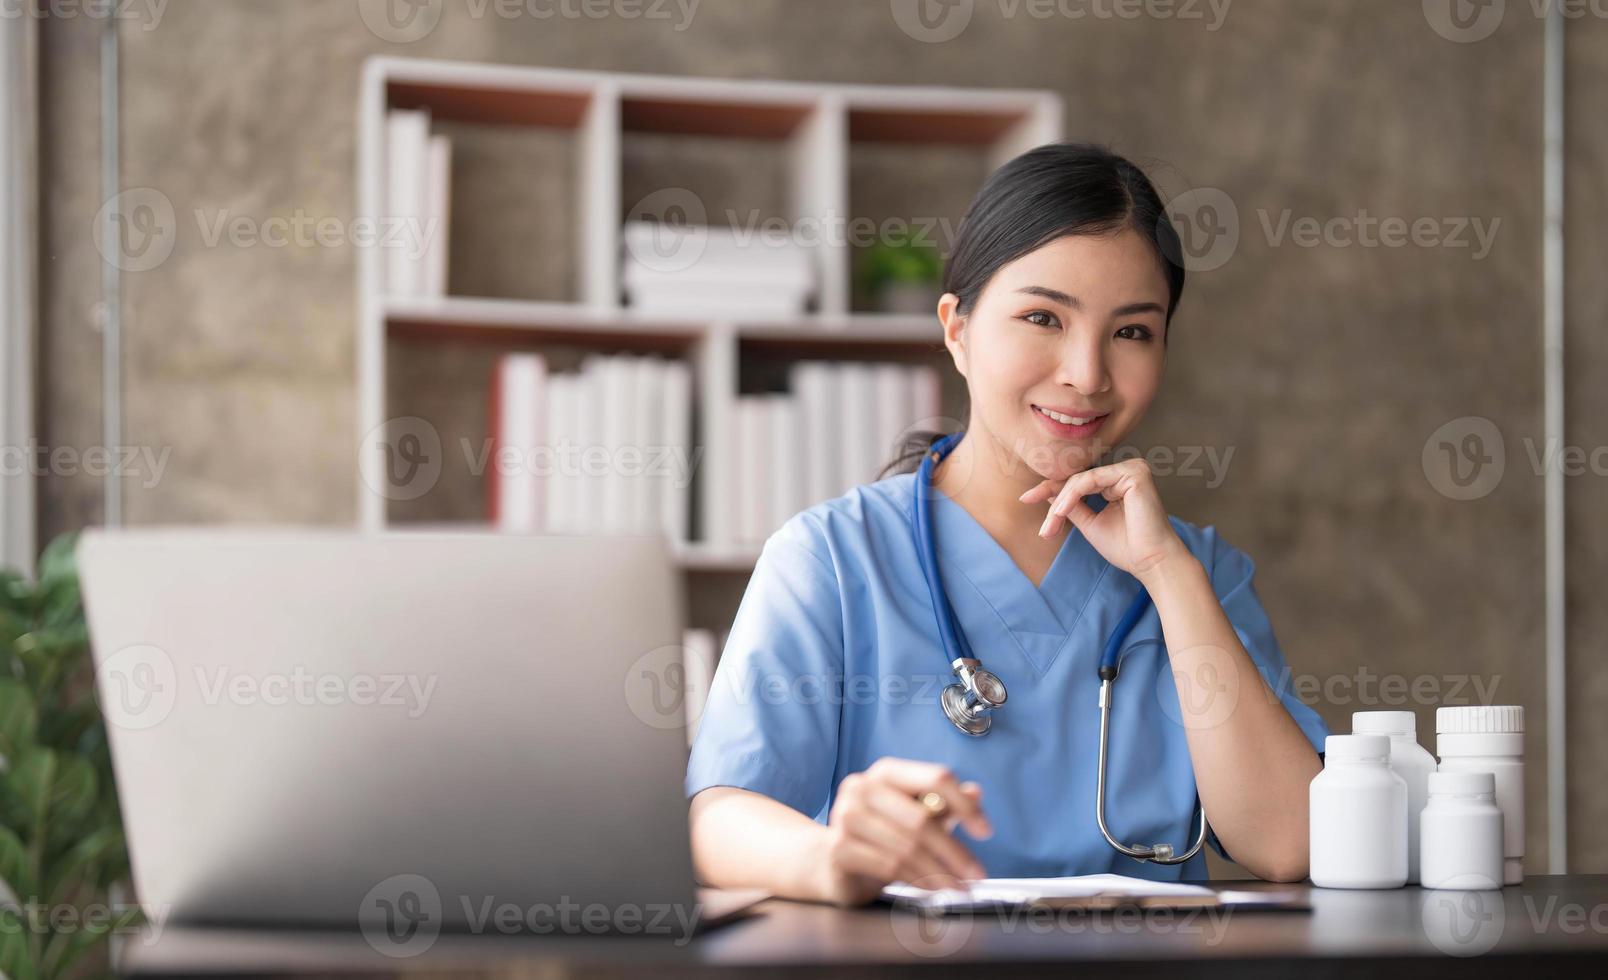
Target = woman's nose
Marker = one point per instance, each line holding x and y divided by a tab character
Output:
1082	365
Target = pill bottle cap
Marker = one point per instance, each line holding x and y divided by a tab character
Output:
1384	723
1462	784
1480	719
1356	748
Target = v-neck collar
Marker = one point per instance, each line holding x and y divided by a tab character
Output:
969	555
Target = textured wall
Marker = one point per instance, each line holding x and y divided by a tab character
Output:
1324	369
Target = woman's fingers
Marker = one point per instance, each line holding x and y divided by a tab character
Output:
1044	491
912	860
1111	481
915	778
925	838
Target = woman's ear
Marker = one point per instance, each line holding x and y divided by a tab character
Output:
954	329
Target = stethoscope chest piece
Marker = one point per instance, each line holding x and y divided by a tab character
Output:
971	701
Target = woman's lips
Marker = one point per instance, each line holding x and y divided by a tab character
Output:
1066	430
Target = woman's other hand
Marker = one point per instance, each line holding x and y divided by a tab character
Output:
1132	532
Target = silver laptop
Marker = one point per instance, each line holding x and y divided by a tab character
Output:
402	731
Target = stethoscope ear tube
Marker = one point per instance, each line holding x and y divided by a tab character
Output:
1157	853
969	703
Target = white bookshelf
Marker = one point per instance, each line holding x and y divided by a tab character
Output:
818	123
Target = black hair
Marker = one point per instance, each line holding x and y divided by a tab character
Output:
1050	192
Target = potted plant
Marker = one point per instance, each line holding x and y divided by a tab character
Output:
62	852
901	276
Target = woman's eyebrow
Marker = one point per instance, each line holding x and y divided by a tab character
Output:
1053	295
1072	302
1133	308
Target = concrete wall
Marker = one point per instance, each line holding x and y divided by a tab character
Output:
1324	369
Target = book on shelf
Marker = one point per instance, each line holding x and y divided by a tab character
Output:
605	450
438	217
837	428
709	270
518	423
700	655
418	201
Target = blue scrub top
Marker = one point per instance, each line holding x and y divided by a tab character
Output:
834	661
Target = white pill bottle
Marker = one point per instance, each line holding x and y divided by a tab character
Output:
1462	832
1358	816
1490	738
1409	760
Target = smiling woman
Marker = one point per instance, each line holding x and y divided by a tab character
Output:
1059	296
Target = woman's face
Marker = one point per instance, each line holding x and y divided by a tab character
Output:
1075	328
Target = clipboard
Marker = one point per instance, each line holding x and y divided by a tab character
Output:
1093	893
1228	899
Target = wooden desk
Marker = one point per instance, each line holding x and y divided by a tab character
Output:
1549	926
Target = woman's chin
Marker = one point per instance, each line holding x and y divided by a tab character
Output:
1059	463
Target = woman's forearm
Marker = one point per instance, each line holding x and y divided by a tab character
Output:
1252	762
743	839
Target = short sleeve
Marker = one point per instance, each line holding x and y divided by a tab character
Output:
1231	573
770	723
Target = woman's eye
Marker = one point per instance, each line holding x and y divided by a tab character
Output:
1040	318
1135	332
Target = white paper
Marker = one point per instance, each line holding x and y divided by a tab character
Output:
1018	891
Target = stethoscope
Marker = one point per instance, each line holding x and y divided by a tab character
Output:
970	702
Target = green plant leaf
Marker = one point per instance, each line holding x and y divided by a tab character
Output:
79	863
56	790
28	779
19	718
72	796
69	728
14	865
62	606
58	564
55	640
13	623
65	948
16	962
16	593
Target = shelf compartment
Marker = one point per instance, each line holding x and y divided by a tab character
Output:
711	117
